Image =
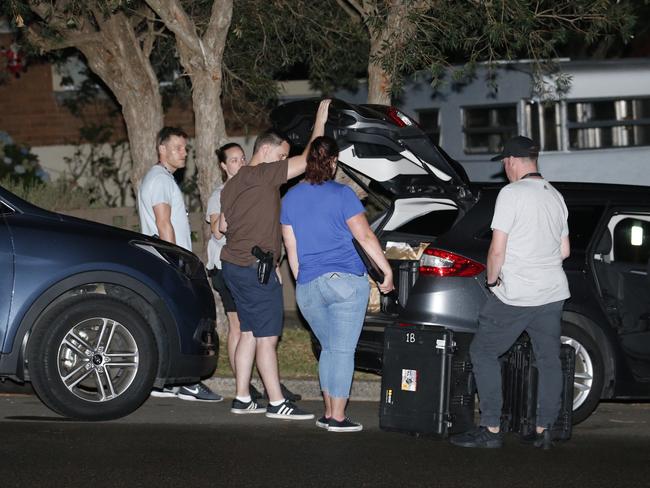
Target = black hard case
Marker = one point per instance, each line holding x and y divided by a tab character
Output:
519	376
427	387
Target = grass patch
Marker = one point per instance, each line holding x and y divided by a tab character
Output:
295	357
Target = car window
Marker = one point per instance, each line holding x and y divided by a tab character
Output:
631	242
582	223
431	224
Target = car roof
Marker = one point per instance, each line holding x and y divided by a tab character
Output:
578	191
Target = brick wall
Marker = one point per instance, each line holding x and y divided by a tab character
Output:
32	113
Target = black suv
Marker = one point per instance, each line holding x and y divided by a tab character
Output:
418	194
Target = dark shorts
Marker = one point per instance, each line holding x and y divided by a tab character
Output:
260	307
220	286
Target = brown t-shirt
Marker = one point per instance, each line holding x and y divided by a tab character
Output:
250	203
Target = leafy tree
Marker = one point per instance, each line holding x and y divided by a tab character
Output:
131	45
410	35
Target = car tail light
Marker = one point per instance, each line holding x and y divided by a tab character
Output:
444	263
398	117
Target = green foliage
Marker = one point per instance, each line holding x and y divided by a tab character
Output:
101	168
59	195
268	39
18	164
469	32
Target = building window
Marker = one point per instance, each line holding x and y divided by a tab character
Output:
429	121
487	128
543	124
597	124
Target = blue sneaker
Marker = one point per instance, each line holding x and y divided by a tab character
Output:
198	393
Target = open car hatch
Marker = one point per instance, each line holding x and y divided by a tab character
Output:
381	143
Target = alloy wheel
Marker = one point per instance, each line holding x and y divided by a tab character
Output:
98	359
584	372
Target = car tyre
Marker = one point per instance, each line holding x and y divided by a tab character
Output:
92	358
589	373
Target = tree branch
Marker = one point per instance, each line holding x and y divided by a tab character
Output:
54	18
352	8
177	21
220	18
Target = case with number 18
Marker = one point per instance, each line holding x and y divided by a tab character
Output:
427	386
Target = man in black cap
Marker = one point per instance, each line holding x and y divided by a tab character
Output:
530	239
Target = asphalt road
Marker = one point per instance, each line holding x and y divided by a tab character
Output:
173	443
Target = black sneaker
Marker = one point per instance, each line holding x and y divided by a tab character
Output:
198	393
323	422
543	440
254	392
345	425
286	393
479	437
287	411
240	407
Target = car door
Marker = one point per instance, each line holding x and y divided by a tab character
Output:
629	263
6	269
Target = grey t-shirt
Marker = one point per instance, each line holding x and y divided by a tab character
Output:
214	245
534	216
159	186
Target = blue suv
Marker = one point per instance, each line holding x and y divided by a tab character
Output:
95	316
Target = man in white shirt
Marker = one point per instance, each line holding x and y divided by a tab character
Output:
162	213
530	239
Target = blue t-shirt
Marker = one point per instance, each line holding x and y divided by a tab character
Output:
318	215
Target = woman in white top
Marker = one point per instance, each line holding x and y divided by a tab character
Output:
231	159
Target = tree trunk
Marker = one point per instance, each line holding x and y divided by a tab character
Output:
379	81
395	31
202	58
120	62
210	130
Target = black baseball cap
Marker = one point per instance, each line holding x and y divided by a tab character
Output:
519	147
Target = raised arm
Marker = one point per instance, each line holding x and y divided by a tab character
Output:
362	232
297	164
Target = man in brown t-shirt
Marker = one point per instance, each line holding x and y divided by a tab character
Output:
250	216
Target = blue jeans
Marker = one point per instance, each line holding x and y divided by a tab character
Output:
335	304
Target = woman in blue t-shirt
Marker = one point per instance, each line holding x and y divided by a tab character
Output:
319	218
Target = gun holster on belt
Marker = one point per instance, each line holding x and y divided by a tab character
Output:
265	264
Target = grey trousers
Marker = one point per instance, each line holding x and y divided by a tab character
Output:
499	327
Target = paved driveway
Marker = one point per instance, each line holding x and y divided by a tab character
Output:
172	443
